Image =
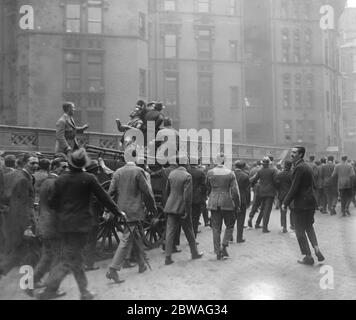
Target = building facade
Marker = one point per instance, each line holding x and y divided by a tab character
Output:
347	27
91	52
264	69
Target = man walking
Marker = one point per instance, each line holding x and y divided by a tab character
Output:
283	183
130	189
243	183
199	192
71	199
344	174
266	177
320	192
302	193
224	201
66	130
329	183
178	207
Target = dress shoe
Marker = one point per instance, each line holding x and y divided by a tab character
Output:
176	250
284	230
307	261
47	294
291	227
127	264
249	223
87	295
319	255
240	241
218	256
112	275
197	256
348	213
258	227
265	231
168	261
142	269
224	252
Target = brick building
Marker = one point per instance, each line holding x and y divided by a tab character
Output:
265	69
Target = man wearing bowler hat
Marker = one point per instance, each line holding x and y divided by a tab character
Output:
71	200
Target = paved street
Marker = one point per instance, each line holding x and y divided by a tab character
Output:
264	267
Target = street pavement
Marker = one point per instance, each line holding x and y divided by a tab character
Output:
264	267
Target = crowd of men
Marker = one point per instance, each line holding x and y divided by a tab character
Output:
60	201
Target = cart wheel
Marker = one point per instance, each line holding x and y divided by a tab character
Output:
153	229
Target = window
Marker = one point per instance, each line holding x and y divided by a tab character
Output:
296	35
285	54
298	80
170	46
95	73
204	43
311	126
171	90
285	36
310	99
286	80
72	71
233	50
300	126
308	54
286	99
203	6
284	8
298	98
310	80
95	19
142	83
142	25
297	57
287	129
72	18
234	97
232	7
205	90
169	5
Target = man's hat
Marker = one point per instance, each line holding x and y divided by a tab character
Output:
240	164
266	160
94	164
159	106
78	159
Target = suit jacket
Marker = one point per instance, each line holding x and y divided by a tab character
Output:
130	189
223	190
302	190
47	216
179	191
71	201
344	173
326	173
199	184
266	178
40	177
283	183
165	174
66	131
243	182
319	183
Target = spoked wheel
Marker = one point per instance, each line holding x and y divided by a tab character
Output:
153	228
108	230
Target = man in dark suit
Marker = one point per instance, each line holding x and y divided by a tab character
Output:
283	183
66	130
48	226
319	184
71	200
131	190
265	177
199	191
224	202
243	182
302	193
18	204
179	209
330	184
